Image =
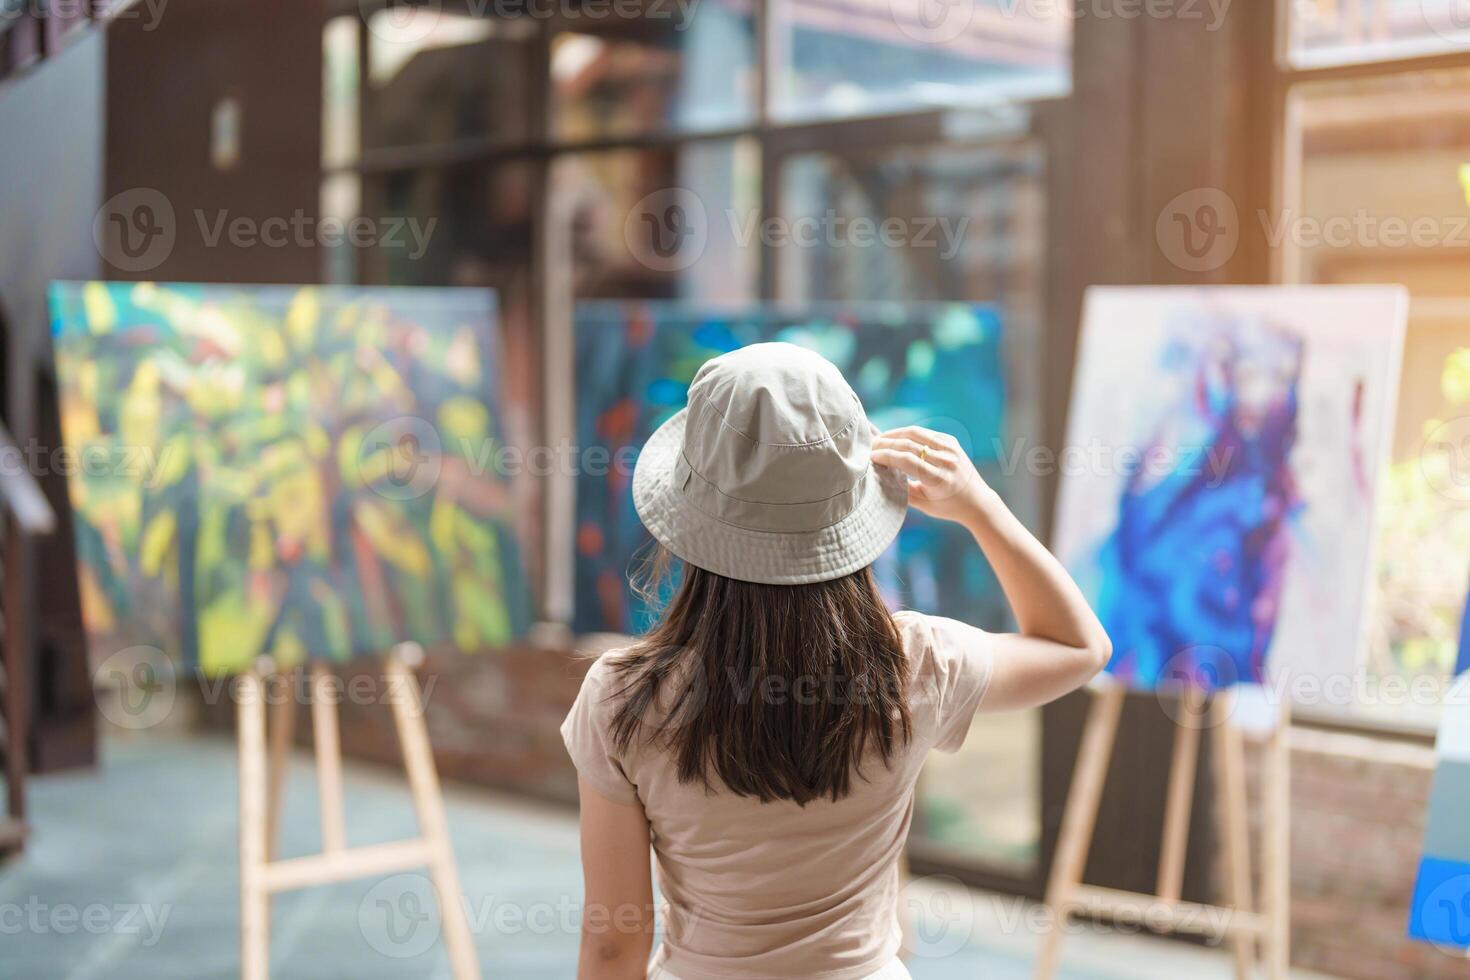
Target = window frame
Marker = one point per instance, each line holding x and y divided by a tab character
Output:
1044	119
1284	264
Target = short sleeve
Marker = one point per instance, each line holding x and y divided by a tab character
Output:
587	733
954	660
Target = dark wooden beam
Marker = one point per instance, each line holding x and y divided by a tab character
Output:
1161	107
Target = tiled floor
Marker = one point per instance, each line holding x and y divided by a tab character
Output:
131	874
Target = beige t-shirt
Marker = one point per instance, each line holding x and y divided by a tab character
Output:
761	890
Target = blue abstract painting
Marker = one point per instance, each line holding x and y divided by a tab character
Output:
1223	456
937	365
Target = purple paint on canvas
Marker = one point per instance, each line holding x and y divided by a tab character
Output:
1195	566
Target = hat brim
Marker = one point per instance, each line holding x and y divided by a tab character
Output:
770	557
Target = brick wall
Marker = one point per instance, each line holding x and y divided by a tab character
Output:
1358	810
493	718
1357	821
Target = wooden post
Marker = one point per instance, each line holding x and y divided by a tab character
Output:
1234	822
1075	839
1276	869
328	745
282	731
255	901
1180	802
423	781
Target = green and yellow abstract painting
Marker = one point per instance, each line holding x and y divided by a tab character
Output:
293	471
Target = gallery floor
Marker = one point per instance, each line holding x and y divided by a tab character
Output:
131	874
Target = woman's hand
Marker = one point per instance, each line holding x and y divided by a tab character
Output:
1061	644
943	482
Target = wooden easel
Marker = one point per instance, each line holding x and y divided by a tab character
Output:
262	874
1243	927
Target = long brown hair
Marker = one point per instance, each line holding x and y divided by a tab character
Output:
777	691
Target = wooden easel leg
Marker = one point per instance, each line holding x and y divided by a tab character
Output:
1078	821
327	741
255	907
1182	768
282	731
1276	872
1230	791
423	780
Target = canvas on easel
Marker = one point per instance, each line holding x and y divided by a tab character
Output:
272	477
1221	515
294	471
1220	518
956	367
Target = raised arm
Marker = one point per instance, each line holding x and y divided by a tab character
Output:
1061	644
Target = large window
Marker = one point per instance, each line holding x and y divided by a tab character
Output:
970	218
661	223
437	77
857	57
1324	32
981	806
1376	188
727	152
964	221
678	75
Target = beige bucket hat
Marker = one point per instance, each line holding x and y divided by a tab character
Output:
765	476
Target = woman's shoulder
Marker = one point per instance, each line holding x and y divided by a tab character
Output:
617	674
603	689
916	636
914	626
951	665
605	668
933	643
